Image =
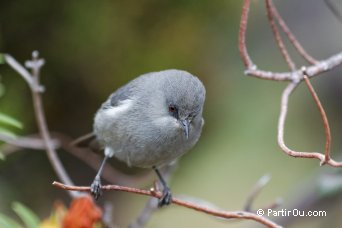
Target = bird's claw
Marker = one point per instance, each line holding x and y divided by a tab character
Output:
166	198
95	188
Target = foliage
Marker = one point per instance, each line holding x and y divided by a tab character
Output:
82	213
7	121
28	218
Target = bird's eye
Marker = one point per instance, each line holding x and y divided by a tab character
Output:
172	109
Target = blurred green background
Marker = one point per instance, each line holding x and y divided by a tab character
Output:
93	47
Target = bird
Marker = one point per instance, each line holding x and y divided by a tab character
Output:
150	122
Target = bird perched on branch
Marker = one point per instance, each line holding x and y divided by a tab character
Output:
150	122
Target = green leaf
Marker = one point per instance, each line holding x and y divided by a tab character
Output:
6	221
2	58
10	121
8	133
29	218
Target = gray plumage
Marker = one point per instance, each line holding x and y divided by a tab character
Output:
142	122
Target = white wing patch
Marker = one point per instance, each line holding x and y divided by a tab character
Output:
105	117
116	111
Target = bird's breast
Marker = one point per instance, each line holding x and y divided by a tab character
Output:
143	142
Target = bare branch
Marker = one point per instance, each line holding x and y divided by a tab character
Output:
61	141
313	70
332	7
281	123
295	76
158	194
242	36
262	182
26	142
324	118
23	72
277	36
283	112
316	68
290	35
36	89
40	118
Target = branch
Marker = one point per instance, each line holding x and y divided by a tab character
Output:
324	118
295	76
158	195
276	34
281	123
34	83
290	35
242	36
24	142
262	182
332	7
23	72
61	141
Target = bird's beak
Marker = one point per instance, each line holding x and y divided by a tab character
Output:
185	125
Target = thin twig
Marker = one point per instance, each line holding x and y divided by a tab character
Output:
61	141
242	36
93	160
278	38
295	77
25	142
281	123
324	118
290	35
41	122
313	70
33	81
158	194
261	183
251	69
332	7
23	72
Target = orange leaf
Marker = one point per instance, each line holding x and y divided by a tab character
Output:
83	213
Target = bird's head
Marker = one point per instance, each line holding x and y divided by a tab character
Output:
184	99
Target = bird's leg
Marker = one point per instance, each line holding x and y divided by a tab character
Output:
95	187
167	196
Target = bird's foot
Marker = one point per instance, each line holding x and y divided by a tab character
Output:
95	188
166	197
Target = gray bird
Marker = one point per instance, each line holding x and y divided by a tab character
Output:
150	122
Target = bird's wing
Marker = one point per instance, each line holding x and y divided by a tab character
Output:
123	93
115	99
